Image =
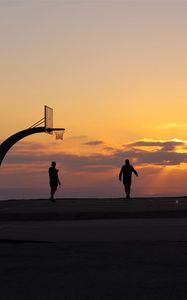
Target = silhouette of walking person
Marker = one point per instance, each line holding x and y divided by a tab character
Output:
126	171
53	179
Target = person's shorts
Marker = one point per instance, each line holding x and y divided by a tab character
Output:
53	185
127	182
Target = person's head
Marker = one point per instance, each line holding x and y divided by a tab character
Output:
127	162
53	164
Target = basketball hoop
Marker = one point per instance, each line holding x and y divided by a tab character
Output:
43	125
59	134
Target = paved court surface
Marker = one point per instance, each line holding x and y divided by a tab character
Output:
119	258
78	209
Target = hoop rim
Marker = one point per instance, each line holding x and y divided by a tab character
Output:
53	129
50	130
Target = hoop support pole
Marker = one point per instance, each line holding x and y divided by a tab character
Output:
38	123
8	143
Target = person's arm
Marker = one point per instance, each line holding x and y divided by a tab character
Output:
134	171
120	174
50	175
58	181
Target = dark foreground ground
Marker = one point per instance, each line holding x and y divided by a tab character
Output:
94	270
75	249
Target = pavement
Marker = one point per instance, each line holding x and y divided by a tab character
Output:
93	249
82	209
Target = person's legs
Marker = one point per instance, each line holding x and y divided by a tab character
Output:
127	191
53	190
127	185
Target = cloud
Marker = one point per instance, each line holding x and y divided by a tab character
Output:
83	162
94	143
160	157
109	148
146	143
28	147
171	125
28	153
164	145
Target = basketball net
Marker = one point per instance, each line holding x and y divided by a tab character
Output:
59	134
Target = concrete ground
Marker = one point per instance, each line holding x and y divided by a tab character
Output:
134	257
79	209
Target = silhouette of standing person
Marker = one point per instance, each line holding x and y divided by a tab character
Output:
53	179
126	172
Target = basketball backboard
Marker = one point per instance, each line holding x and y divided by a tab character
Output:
48	117
47	121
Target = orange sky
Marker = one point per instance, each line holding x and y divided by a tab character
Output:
115	73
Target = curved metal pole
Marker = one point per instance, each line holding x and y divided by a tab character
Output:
8	143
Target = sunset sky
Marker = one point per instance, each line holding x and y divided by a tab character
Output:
115	73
